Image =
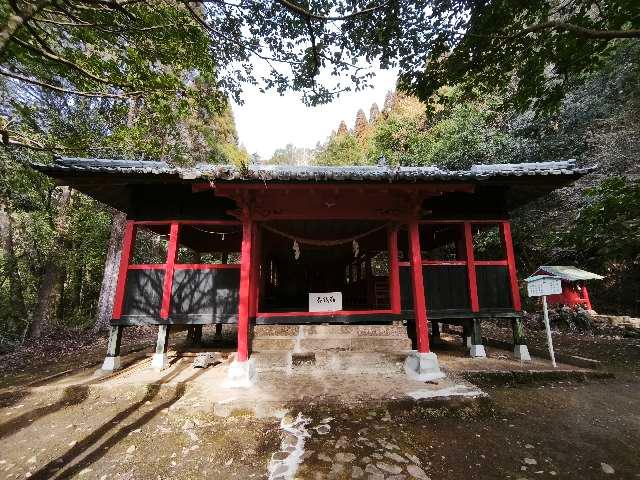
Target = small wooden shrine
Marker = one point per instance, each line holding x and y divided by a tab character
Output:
574	286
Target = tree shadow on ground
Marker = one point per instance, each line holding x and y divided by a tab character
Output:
62	466
7	399
73	395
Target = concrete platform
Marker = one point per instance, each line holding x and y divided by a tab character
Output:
315	381
275	392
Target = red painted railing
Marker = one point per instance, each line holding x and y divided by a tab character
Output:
169	266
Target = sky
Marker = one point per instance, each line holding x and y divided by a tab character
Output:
268	121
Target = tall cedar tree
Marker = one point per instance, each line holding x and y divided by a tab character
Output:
361	123
374	113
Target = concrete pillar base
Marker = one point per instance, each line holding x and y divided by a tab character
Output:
159	361
111	363
521	352
477	351
422	366
241	374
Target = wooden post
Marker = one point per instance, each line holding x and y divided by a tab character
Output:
159	361
172	252
545	310
471	267
477	347
505	233
127	249
435	331
476	332
245	288
466	333
197	334
112	360
255	271
419	300
394	270
518	332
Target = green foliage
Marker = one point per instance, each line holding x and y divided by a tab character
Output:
342	150
609	224
529	53
405	135
37	226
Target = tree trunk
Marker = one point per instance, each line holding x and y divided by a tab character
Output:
16	300
53	276
111	267
48	296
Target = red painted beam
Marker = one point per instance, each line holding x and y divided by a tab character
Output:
394	270
444	262
172	253
492	263
436	221
417	284
245	289
127	248
323	314
471	268
507	242
341	187
147	266
206	266
188	222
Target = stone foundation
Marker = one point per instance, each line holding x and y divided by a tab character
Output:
323	338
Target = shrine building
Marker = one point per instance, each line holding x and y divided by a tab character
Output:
374	246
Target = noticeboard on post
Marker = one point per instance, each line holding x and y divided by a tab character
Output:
543	285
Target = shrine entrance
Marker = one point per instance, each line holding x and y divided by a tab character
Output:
299	258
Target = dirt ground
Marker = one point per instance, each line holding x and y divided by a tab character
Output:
564	429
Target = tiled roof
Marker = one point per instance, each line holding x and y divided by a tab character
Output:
69	165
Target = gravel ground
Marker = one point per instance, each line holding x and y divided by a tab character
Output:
580	430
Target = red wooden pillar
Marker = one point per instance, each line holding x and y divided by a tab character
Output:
125	256
419	301
255	271
245	289
172	253
471	267
394	270
505	233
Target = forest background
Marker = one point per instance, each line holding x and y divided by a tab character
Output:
54	241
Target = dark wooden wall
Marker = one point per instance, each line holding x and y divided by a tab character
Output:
447	290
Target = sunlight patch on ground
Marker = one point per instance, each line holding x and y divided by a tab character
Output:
284	463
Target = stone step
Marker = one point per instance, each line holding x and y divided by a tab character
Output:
346	362
329	330
333	343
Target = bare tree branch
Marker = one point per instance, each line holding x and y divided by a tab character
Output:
17	20
64	61
66	90
294	7
580	31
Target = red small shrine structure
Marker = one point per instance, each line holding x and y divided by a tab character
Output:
574	287
248	246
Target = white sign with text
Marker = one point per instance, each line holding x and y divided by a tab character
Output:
541	286
325	302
